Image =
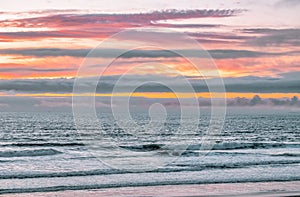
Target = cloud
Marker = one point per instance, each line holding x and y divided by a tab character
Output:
221	36
37	85
109	53
132	19
274	37
18	69
104	32
267	87
67	25
11	103
287	3
232	54
36	35
257	101
187	25
283	84
49	52
21	104
30	103
45	12
53	102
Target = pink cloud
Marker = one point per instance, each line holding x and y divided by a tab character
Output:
134	19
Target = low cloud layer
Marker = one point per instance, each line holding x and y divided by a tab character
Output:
9	103
286	83
257	101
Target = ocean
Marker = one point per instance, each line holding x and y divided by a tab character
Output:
44	152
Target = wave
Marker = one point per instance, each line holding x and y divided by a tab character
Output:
143	147
62	174
190	153
29	153
43	144
235	165
177	167
245	145
217	146
287	154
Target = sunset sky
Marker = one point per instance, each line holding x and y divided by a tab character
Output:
254	44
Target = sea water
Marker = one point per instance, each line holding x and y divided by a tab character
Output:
44	151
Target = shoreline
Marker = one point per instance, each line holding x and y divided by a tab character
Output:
265	189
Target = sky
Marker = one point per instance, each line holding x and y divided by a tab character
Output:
255	46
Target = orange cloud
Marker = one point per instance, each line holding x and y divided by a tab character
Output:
227	95
39	67
264	66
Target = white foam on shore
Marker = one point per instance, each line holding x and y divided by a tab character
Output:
258	174
261	189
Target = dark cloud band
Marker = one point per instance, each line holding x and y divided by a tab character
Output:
286	84
109	53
